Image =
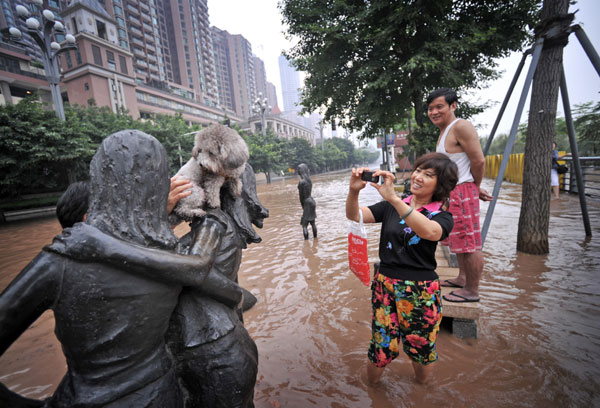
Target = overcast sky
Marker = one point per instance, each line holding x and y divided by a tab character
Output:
260	23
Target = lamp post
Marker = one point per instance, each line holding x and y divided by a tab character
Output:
260	107
44	34
320	126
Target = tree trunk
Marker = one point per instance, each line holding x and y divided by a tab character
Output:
534	220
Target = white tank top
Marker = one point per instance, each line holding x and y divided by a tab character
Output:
461	159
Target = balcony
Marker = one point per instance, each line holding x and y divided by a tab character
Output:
135	30
141	63
133	10
134	21
137	41
150	47
147	28
149	37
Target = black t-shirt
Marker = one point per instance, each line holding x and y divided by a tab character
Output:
403	254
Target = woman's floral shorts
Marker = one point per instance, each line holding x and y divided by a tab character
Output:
404	312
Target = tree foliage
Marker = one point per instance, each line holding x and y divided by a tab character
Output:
35	149
587	128
38	151
587	131
369	63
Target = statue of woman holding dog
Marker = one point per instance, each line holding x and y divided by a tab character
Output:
217	361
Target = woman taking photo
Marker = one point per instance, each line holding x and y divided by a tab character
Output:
406	294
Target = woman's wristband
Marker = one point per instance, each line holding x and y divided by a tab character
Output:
407	214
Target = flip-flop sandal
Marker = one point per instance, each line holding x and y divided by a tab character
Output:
463	299
447	284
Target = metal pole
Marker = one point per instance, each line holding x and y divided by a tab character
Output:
505	102
587	47
538	45
575	153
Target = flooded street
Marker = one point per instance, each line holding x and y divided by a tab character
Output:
539	331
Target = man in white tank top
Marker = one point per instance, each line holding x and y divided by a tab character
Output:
458	140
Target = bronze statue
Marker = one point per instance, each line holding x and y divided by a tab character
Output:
309	207
113	283
216	359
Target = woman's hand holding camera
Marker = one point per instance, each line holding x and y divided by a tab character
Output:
386	189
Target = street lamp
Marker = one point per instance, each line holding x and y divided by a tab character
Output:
44	37
320	126
260	107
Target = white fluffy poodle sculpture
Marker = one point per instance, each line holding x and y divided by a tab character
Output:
219	157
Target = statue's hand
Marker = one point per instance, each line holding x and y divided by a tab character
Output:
82	241
207	236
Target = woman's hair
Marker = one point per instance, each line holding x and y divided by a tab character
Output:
129	186
73	204
445	170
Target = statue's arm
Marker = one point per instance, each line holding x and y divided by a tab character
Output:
86	243
216	285
32	292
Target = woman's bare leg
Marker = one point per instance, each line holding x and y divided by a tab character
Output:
422	372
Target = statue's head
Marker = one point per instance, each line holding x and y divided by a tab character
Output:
247	209
129	180
303	170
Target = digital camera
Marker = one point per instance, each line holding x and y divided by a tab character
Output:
368	176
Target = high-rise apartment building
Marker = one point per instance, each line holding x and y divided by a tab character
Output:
236	71
271	94
146	56
223	68
290	85
171	44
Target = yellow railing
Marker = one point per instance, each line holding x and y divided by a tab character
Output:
514	170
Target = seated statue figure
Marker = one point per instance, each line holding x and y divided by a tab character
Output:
309	207
217	361
113	283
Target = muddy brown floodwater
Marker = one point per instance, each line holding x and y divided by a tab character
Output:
539	330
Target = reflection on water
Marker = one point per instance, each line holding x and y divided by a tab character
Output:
539	330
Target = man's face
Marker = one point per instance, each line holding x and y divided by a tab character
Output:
440	112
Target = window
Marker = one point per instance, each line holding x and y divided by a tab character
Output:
123	64
68	58
110	60
78	57
86	86
74	22
97	55
101	28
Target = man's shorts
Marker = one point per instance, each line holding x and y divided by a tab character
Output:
407	314
465	237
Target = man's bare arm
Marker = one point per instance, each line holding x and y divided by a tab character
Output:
466	137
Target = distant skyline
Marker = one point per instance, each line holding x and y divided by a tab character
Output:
260	23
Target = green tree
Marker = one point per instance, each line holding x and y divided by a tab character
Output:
265	152
37	150
175	135
296	151
534	219
587	128
369	63
347	147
